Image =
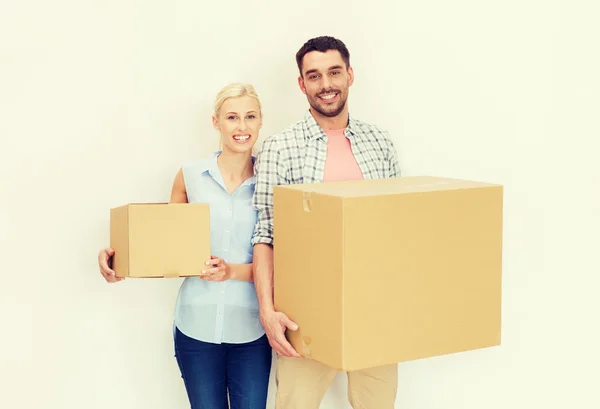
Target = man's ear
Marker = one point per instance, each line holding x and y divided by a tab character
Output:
215	122
350	76
301	84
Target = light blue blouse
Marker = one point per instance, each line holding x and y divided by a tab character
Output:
220	312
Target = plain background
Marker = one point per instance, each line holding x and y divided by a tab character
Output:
101	101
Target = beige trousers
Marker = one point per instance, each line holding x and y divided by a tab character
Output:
302	384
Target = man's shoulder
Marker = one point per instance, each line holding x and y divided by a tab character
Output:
287	135
368	128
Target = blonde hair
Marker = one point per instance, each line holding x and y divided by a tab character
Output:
234	90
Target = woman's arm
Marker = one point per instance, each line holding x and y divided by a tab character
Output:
178	192
221	271
241	272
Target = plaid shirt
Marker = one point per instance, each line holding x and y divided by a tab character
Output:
297	155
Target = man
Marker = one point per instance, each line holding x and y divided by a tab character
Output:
326	145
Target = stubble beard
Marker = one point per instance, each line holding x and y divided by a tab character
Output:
316	104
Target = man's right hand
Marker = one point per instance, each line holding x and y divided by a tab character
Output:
275	324
108	273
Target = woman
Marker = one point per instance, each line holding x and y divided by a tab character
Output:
220	344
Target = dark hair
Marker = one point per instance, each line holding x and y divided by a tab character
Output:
322	44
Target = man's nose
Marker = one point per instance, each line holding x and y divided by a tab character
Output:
325	82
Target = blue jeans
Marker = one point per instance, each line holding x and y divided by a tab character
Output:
210	370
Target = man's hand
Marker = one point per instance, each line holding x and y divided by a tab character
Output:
275	324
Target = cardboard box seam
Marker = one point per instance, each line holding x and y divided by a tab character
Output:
310	193
128	240
343	285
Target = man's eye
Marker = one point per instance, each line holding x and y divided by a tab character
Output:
251	117
231	117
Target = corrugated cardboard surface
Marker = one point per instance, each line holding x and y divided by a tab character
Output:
160	239
385	271
308	272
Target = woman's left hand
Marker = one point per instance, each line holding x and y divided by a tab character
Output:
219	271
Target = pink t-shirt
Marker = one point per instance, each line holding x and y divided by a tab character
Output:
340	163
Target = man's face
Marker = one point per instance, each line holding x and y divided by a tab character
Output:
325	80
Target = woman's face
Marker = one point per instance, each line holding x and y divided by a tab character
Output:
239	122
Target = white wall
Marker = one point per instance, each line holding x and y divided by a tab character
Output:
101	101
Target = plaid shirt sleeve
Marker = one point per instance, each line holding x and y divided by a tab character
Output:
270	171
394	162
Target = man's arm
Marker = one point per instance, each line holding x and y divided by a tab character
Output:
394	162
263	280
270	171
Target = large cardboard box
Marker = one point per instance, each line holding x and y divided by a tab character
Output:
160	239
384	271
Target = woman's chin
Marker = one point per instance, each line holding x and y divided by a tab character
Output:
239	148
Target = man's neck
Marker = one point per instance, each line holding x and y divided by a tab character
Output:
328	123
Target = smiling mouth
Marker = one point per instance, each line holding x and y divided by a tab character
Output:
328	97
241	137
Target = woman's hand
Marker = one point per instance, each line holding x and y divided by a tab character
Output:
220	270
104	259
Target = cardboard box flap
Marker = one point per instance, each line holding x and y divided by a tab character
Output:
389	186
150	204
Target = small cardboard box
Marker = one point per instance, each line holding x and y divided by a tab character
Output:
160	239
377	272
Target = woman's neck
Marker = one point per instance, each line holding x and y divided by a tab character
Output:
235	166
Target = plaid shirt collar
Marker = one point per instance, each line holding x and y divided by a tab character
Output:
314	130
